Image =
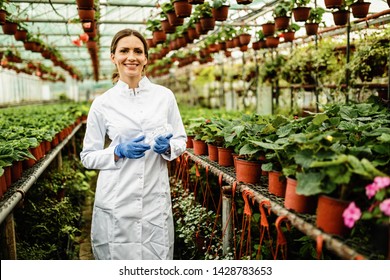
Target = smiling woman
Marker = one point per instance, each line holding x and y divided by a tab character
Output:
132	213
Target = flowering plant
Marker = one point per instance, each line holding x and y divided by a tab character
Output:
379	192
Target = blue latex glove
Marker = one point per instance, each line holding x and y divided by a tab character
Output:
162	143
132	149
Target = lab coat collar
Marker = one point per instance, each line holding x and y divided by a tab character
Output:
124	88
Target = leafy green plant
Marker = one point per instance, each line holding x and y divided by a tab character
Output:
315	15
219	3
282	9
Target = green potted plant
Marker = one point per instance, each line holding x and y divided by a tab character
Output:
281	14
300	10
289	33
220	9
313	21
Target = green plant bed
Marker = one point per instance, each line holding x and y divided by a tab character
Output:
48	224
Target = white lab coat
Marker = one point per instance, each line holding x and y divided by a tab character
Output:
132	215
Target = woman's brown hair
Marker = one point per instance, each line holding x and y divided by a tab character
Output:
114	43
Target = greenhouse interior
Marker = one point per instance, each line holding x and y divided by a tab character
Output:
278	146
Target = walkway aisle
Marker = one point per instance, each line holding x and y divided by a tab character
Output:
85	239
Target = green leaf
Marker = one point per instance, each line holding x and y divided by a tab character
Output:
309	183
320	118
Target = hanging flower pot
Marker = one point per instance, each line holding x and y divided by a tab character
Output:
282	22
256	45
248	171
174	20
9	27
207	23
221	13
20	35
244	39
340	17
311	28
86	14
301	13
244	2
3	15
244	48
159	36
192	33
167	27
360	9
288	36
272	42
329	216
332	4
195	2
268	28
182	8
85	4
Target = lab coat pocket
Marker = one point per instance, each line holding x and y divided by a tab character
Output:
102	226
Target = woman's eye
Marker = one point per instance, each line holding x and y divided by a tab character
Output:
123	51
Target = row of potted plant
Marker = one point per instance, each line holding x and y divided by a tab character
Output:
333	154
28	133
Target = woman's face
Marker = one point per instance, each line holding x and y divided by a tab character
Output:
129	57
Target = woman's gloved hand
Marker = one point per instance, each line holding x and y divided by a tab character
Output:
132	149
162	144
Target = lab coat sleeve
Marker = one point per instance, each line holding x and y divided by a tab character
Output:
94	155
179	140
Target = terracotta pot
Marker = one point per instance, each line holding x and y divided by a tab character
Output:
195	2
8	176
2	16
9	28
182	8
282	23
85	4
221	13
17	170
248	171
207	23
20	35
192	33
244	39
311	28
331	4
268	29
3	185
86	14
200	147
360	9
213	152
167	27
275	185
225	156
301	13
340	17
272	42
190	144
330	215
297	202
159	36
174	20
244	2
288	36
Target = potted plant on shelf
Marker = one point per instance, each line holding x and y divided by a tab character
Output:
182	8
154	26
206	18
169	10
281	15
313	21
341	15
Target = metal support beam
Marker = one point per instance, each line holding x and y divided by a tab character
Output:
227	227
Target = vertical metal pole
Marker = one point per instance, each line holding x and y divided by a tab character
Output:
257	80
8	240
347	74
231	85
388	87
227	228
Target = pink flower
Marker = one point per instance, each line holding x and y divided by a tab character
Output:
382	182
351	214
385	207
379	183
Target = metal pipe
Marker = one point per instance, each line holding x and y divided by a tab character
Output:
19	193
227	235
